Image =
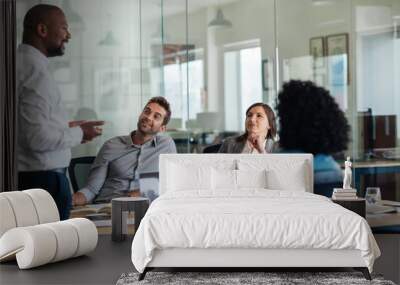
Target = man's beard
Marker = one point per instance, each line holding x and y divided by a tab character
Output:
147	131
55	51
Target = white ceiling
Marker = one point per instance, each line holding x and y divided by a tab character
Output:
151	10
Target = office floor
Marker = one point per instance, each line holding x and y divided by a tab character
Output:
102	266
111	259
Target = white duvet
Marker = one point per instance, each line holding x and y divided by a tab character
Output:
250	219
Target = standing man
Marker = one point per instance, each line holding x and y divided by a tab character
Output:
45	136
122	159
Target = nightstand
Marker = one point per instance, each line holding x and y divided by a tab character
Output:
356	205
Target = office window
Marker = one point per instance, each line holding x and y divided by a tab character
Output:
243	87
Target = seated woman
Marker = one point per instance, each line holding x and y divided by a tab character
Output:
260	132
311	121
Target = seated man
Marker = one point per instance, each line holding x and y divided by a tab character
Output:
116	169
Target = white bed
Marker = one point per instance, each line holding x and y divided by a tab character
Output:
226	210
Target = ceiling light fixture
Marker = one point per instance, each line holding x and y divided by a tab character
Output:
108	40
219	21
322	2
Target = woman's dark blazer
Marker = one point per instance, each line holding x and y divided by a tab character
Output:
237	143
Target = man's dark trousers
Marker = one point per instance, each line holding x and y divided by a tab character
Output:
56	183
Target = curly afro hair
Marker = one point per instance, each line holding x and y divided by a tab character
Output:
310	120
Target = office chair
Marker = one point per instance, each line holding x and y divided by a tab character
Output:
78	171
212	148
185	145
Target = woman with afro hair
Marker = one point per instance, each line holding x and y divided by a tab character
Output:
311	121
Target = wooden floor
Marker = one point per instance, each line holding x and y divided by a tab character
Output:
102	266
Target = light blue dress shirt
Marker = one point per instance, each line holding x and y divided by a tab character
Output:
118	164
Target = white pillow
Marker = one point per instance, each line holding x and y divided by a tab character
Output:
188	177
251	178
223	179
292	178
290	174
226	179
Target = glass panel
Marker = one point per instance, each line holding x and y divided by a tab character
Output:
243	68
212	59
230	37
99	75
250	78
352	49
232	89
176	53
151	39
377	49
313	43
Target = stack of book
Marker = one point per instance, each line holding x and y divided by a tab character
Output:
100	215
344	194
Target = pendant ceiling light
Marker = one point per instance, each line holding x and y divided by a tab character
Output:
219	21
322	2
108	40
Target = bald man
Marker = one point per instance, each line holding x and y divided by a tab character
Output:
45	136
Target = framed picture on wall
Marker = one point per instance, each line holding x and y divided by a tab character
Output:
264	74
337	51
337	44
317	51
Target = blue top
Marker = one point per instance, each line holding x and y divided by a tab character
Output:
326	169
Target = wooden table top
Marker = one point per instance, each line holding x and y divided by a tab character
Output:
381	220
376	163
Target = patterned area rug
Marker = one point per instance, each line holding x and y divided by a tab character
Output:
229	278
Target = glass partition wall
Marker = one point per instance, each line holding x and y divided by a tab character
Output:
213	58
